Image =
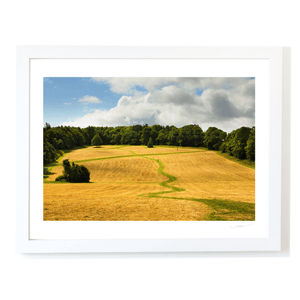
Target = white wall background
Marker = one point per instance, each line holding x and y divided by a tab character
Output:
164	276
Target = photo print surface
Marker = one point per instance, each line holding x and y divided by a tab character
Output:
149	149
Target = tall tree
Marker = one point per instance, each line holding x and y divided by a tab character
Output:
90	133
96	141
150	143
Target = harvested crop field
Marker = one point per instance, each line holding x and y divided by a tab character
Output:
159	149
160	183
210	176
90	153
133	169
113	202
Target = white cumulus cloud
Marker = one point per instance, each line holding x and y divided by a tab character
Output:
89	99
227	103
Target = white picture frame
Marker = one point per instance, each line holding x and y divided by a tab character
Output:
26	245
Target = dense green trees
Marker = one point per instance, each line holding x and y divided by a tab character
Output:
145	134
50	153
239	142
213	138
173	136
74	173
162	137
191	135
129	136
250	148
61	138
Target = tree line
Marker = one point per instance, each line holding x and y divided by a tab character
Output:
239	143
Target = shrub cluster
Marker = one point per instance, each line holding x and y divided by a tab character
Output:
74	173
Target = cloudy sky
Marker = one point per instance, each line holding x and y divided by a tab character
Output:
226	103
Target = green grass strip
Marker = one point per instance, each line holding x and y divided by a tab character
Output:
108	148
165	184
49	170
55	164
224	210
133	154
61	157
181	147
101	158
244	162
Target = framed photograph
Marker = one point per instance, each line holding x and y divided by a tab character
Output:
148	149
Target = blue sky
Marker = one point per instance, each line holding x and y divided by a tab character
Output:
61	96
226	103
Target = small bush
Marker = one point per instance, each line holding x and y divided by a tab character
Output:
79	174
74	173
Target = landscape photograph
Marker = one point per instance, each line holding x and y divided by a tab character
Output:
149	149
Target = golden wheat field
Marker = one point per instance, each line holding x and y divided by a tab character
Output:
115	202
82	154
129	169
159	183
208	175
157	150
